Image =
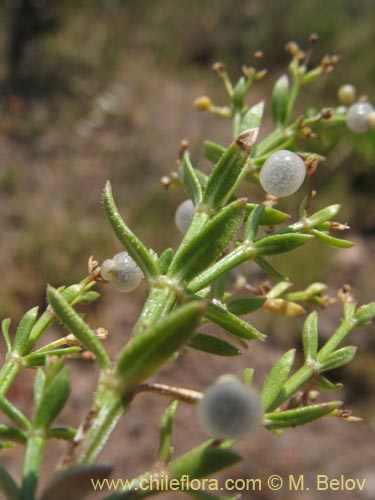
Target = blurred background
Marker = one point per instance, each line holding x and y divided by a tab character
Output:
103	89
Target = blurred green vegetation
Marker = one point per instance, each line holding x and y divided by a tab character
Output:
103	88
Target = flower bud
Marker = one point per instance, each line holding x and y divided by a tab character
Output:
202	103
229	409
346	94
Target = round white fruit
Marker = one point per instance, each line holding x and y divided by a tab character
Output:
282	173
358	117
184	215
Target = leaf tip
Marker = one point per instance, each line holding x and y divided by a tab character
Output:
247	138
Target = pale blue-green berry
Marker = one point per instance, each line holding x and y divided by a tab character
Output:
122	272
282	173
358	117
229	409
184	215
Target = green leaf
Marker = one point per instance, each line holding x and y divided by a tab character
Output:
190	179
165	260
75	324
276	379
224	176
245	305
12	434
39	384
338	358
300	416
268	269
76	482
53	400
252	223
148	351
39	358
204	460
231	322
213	345
23	331
330	241
325	385
127	238
323	215
279	100
219	285
208	244
280	243
364	314
166	427
89	297
248	376
5	325
8	485
310	336
239	92
66	433
213	151
13	413
253	117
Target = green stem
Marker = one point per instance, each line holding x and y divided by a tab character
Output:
159	302
31	466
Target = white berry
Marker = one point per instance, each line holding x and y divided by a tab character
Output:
357	118
122	272
230	410
282	173
184	215
346	94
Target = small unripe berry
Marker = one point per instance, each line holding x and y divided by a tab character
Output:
202	103
358	117
184	215
229	409
122	272
282	173
346	94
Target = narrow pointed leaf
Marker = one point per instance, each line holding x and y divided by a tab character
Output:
12	434
248	375
53	400
39	358
39	384
66	433
127	238
203	461
323	215
89	297
213	345
219	285
165	260
252	223
253	117
208	244
190	180
231	323
300	416
331	241
13	413
245	305
8	485
223	178
364	314
76	482
213	151
325	385
268	269
269	217
279	100
276	378
76	325
148	351
166	427
280	243
338	358
5	325
23	331
310	336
